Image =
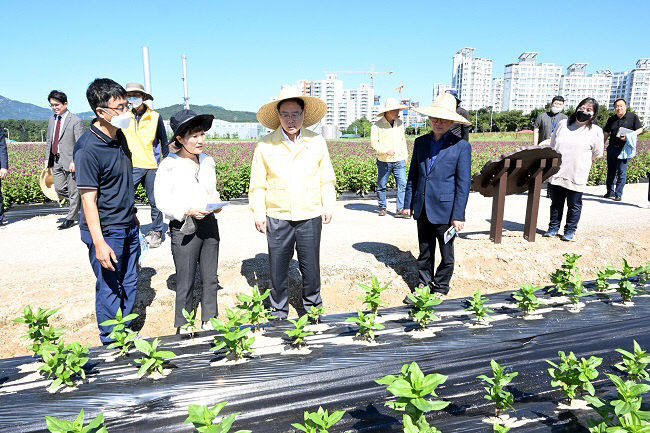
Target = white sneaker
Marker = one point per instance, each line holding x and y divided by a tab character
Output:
207	326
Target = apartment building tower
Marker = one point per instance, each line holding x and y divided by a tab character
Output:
528	85
472	77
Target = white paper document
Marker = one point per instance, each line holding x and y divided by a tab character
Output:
214	206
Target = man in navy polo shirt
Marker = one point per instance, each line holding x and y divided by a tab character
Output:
107	222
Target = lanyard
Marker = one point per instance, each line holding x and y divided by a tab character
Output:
553	123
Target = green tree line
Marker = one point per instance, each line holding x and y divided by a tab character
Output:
28	130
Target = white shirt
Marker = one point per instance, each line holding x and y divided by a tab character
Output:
289	142
182	185
63	116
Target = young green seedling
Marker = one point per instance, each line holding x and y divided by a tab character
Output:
55	425
253	304
367	325
634	364
231	335
65	363
495	389
602	277
421	426
319	421
411	389
574	376
298	333
153	360
476	306
203	418
575	289
622	414
315	314
561	278
422	308
372	298
625	287
498	428
40	332
526	299
191	322
123	336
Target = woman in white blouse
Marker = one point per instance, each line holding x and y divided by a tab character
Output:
184	188
580	140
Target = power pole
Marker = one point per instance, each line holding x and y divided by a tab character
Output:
147	74
186	98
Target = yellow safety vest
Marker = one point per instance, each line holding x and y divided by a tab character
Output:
140	137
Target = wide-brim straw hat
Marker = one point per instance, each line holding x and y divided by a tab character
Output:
444	107
390	105
315	108
137	87
187	119
46	182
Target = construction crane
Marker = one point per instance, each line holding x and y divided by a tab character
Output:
371	72
399	89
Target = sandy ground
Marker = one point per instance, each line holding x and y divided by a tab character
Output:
44	267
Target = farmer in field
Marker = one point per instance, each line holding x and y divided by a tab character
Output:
292	193
147	141
63	131
388	138
108	224
437	190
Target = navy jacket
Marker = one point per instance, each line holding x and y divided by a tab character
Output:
445	190
4	160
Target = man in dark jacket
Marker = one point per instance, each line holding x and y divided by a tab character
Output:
437	190
4	166
460	130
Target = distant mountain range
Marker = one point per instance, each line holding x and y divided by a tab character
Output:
10	109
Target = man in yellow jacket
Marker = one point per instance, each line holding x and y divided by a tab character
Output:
147	140
387	137
292	193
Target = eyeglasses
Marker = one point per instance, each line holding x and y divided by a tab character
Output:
120	108
292	116
56	105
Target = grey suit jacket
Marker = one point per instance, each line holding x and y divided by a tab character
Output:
70	131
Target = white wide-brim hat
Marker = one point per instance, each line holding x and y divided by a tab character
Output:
315	108
390	105
46	182
444	107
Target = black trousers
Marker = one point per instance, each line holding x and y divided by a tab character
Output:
2	205
283	237
573	199
428	235
200	248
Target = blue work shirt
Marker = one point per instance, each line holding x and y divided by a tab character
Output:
104	164
436	145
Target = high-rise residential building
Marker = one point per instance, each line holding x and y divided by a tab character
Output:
344	106
472	78
576	85
496	94
639	93
440	88
409	116
619	88
528	85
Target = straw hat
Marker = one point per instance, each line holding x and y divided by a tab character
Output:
444	107
315	108
46	181
390	105
137	87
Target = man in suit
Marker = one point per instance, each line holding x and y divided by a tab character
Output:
63	131
437	190
4	166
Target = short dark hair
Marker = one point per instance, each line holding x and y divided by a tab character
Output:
102	90
621	99
58	95
296	100
594	118
557	98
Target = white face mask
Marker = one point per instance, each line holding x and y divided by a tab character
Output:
122	121
556	110
135	101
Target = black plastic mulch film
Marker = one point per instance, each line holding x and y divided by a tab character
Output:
273	390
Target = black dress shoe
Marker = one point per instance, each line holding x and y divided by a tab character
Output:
617	198
67	224
608	195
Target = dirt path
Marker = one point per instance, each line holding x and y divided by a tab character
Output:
47	268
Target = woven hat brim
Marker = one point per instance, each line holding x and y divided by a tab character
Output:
442	113
48	191
315	110
147	96
386	109
204	120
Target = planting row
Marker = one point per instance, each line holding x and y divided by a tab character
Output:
353	161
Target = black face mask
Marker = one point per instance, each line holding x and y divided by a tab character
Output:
581	116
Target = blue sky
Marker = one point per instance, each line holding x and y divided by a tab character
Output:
241	52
